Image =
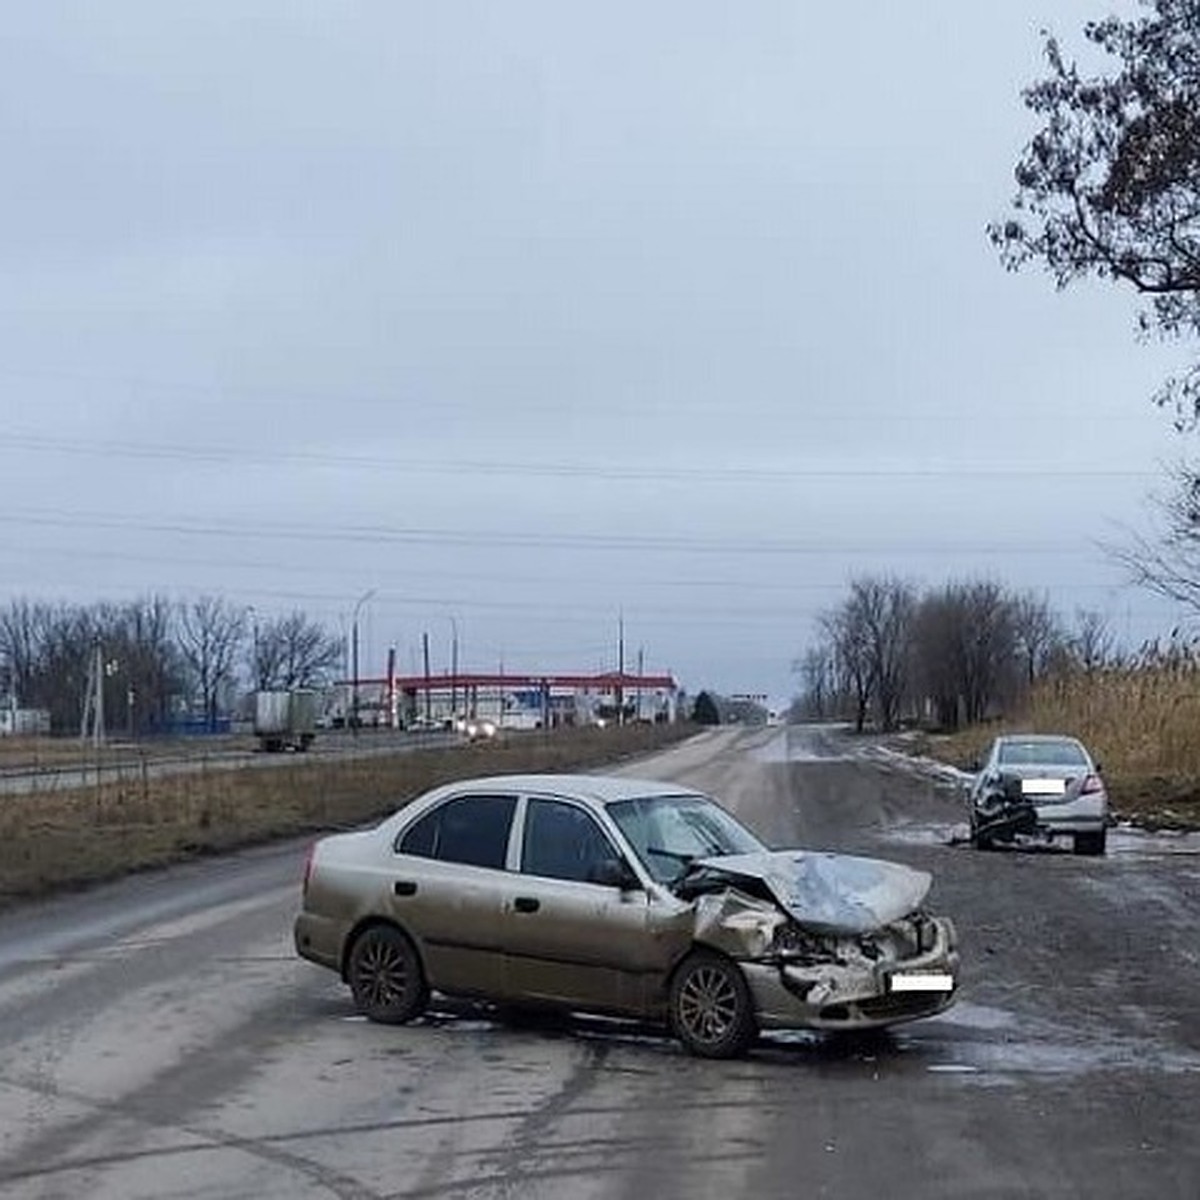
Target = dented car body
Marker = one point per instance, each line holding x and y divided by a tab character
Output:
1039	788
624	897
836	942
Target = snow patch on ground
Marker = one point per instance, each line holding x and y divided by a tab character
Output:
922	765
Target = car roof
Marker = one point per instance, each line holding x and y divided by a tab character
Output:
1038	737
600	789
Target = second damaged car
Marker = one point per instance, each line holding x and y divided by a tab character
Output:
624	897
1039	788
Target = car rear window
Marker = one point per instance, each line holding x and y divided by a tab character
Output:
1042	754
468	829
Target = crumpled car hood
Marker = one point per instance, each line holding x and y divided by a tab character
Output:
838	894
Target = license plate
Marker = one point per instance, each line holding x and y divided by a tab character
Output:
1043	787
927	981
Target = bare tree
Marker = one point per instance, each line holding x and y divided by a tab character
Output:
47	650
1037	631
883	609
1093	645
1167	560
966	645
150	674
937	637
293	652
816	669
69	636
851	660
22	635
210	632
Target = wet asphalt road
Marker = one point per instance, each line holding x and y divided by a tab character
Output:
160	1040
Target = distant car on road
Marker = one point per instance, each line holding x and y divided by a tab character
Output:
625	897
1039	786
475	728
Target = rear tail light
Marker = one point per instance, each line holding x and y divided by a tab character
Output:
308	867
1091	785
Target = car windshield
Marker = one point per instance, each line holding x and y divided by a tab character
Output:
1042	754
669	832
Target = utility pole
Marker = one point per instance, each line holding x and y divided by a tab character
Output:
93	699
428	696
354	654
453	667
641	672
621	667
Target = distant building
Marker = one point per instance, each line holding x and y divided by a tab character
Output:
23	722
513	701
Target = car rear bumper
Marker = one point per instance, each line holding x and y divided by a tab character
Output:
1087	814
319	940
1084	814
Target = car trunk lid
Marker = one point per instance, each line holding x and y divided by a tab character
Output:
1044	785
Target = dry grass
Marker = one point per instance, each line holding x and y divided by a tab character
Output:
50	840
70	753
1141	721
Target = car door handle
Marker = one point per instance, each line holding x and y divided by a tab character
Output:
404	887
527	904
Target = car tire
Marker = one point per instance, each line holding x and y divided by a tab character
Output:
385	976
1091	843
710	1006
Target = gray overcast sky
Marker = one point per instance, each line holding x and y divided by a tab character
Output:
529	313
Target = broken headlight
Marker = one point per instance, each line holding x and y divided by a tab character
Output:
916	934
792	941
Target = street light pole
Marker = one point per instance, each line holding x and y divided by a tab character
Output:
354	655
621	668
453	667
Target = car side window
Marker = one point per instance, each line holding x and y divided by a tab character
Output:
468	829
563	842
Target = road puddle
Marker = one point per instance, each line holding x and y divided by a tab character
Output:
1126	840
792	747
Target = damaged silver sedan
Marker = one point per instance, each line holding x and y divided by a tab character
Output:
623	897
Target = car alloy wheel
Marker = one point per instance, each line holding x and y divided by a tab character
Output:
711	1009
385	976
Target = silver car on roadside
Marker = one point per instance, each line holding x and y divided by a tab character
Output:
623	897
1039	787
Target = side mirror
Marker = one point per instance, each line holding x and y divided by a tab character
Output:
613	872
975	766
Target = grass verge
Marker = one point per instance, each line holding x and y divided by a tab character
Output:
51	841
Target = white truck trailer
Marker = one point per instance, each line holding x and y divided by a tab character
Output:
285	720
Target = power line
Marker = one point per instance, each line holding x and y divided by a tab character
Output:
402	401
740	584
1052	472
260	530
